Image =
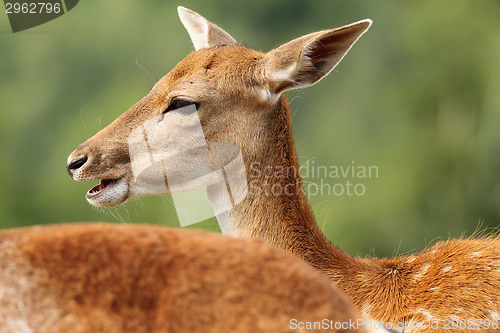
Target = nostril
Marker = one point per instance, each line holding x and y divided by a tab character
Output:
76	163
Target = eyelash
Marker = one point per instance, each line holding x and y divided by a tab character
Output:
177	104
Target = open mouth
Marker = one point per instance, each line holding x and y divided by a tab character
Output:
109	193
104	186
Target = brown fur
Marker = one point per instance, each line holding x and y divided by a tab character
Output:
94	278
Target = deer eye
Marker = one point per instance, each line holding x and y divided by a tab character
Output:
177	104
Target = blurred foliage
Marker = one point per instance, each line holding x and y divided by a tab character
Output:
418	96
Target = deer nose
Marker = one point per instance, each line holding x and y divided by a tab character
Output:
75	164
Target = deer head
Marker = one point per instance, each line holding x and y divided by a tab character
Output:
223	90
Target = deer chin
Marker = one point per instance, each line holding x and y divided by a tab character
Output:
109	193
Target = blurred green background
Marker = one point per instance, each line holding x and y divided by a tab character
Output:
418	96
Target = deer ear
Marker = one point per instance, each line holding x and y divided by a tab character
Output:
306	60
203	33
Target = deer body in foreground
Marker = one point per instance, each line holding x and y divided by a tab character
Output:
239	96
103	278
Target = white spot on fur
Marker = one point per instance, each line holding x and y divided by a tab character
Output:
495	316
410	260
446	268
267	96
104	156
471	286
427	315
363	277
264	94
366	308
494	265
434	289
421	273
475	254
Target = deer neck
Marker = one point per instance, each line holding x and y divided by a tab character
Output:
276	207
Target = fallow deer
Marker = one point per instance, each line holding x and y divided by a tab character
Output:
238	93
